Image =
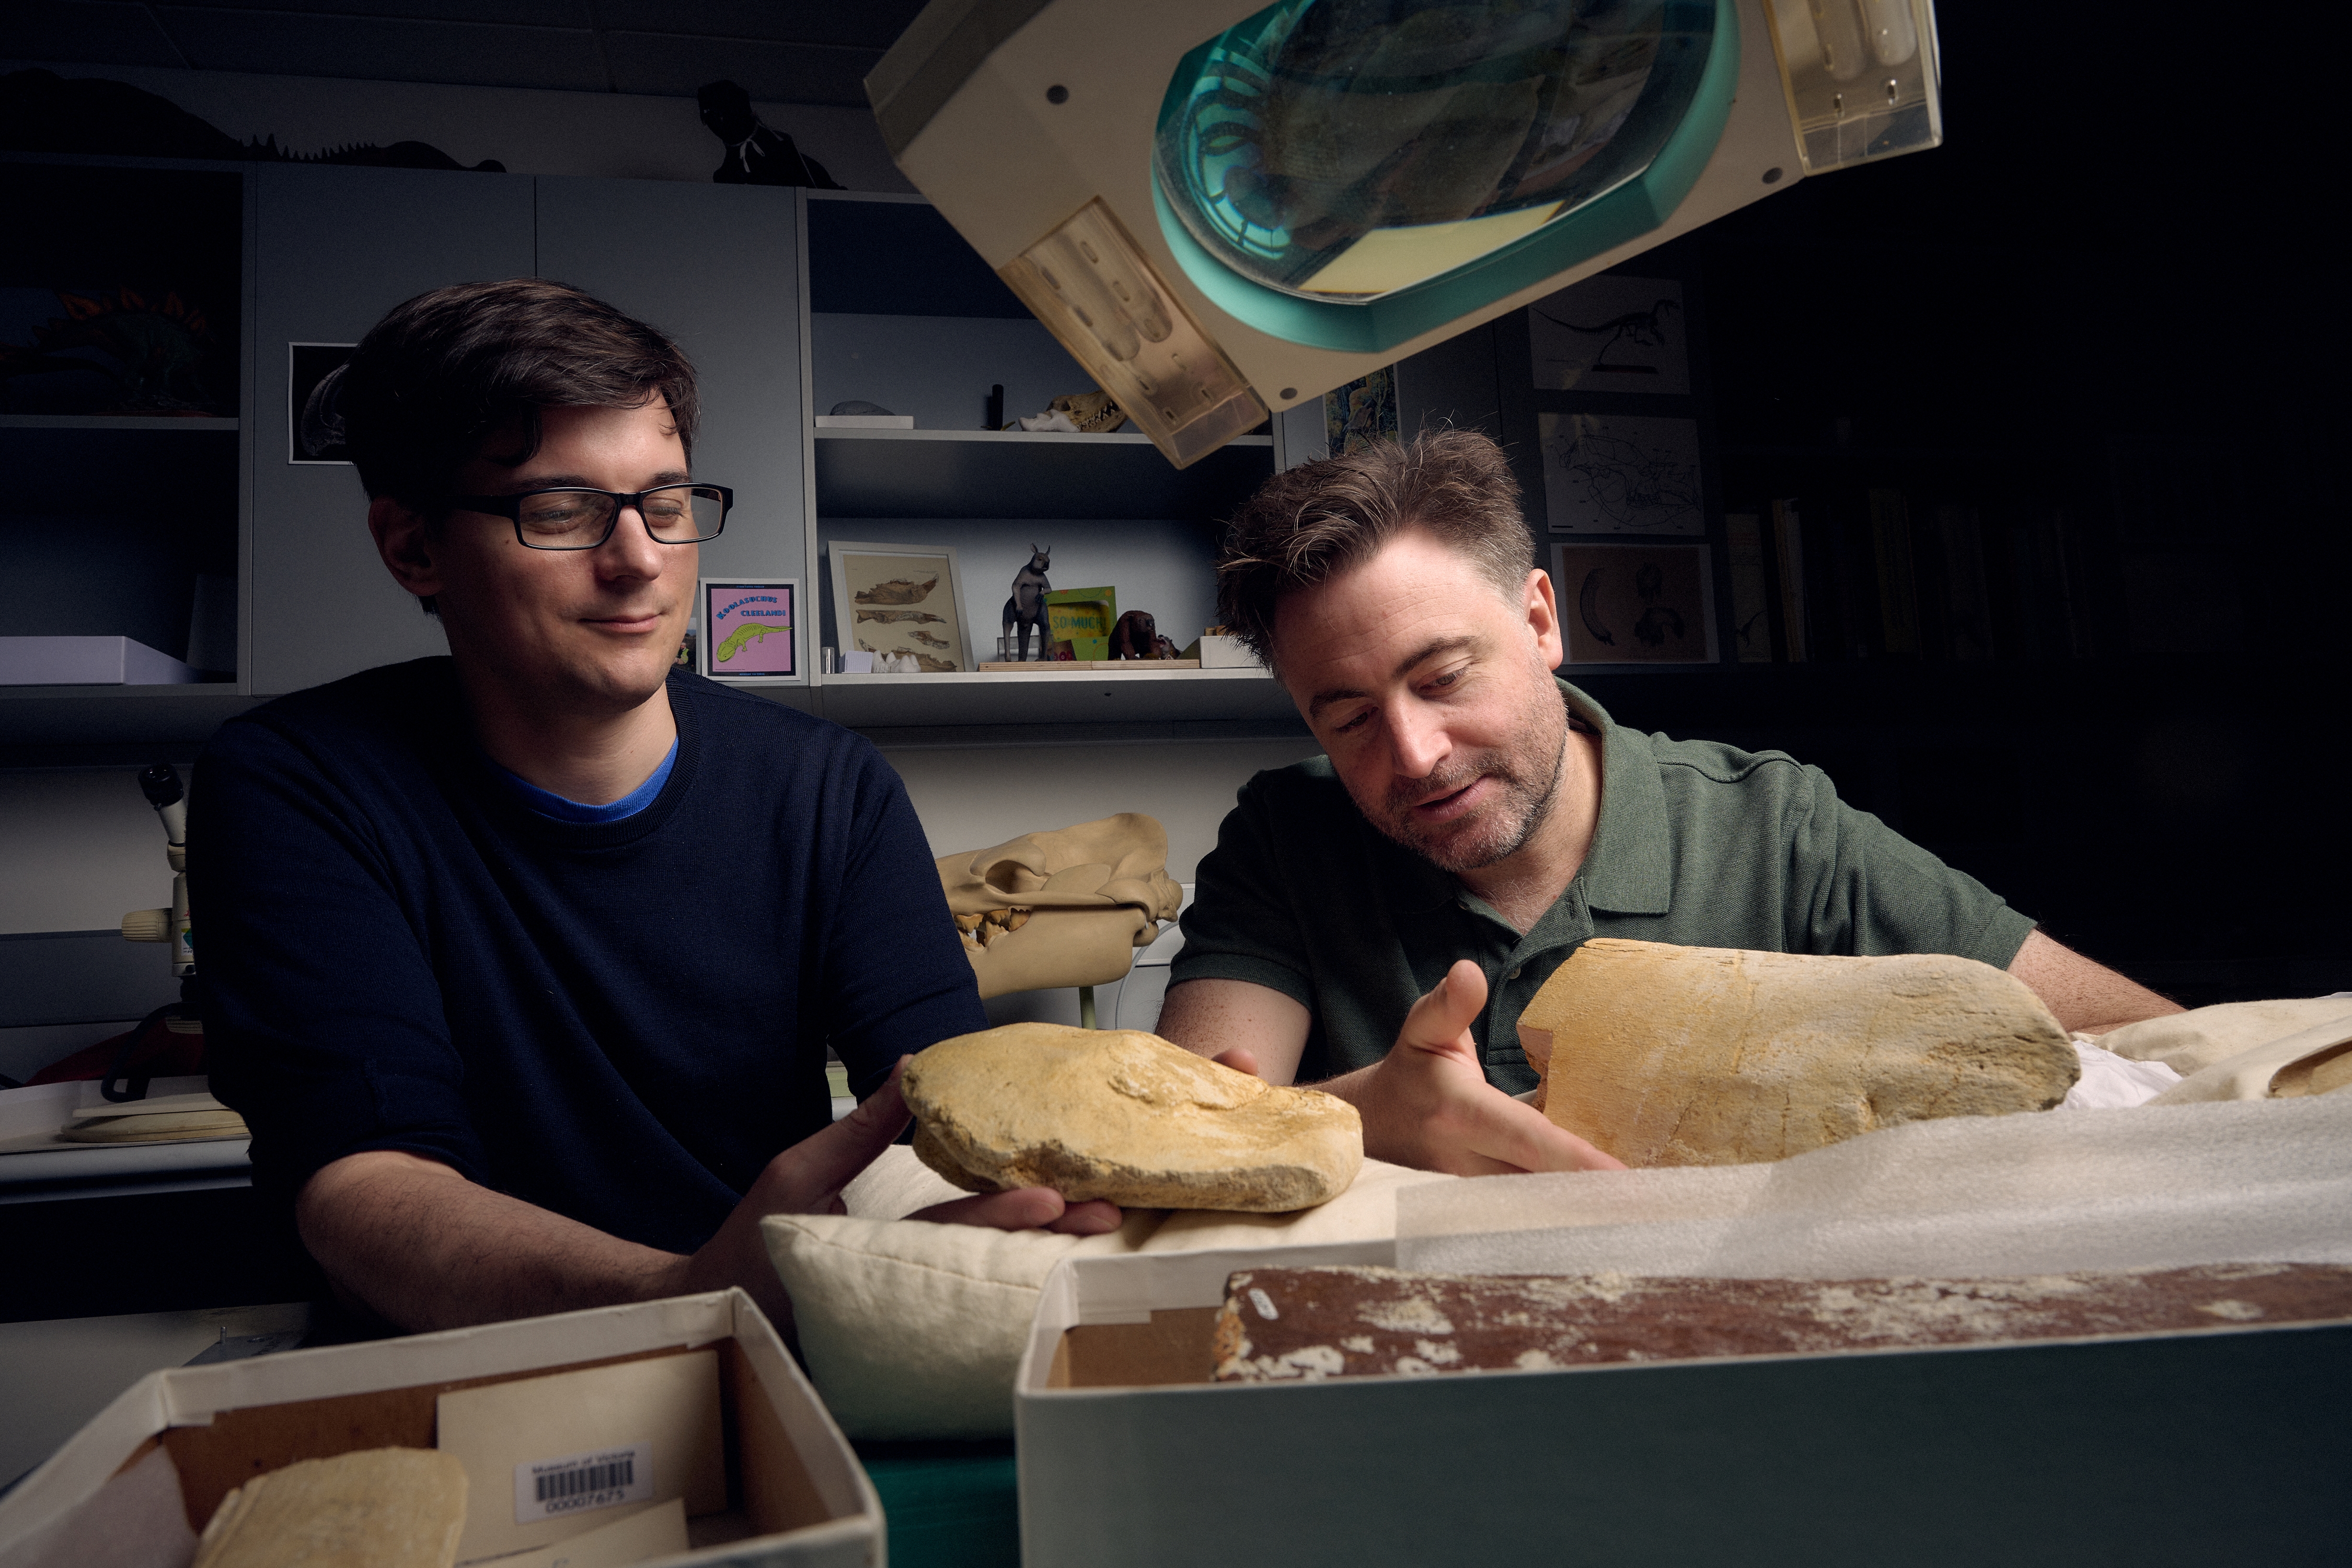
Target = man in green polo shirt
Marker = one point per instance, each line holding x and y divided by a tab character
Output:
1373	921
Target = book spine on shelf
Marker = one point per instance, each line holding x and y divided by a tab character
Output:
1788	560
2008	588
1959	532
1751	622
2061	570
1898	599
1846	607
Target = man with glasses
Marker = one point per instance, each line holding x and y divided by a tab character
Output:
523	963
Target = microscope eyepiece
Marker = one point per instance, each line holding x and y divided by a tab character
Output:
160	784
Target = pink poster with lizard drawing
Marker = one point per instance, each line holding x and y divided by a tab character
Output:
748	629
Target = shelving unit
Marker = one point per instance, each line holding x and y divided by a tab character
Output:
114	422
1022	473
1048	696
122	524
903	314
111	519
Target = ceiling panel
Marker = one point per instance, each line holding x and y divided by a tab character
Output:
79	30
787	51
386	49
513	13
772	73
874	25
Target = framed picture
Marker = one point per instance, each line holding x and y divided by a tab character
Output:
314	431
1636	603
751	629
1616	473
1612	334
901	602
1362	412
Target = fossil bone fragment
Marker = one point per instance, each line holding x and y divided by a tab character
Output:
1123	1115
1701	1055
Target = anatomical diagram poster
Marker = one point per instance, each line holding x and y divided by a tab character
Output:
1634	603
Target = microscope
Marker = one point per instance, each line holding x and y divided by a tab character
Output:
160	784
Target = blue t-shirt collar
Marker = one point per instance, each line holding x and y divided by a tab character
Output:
557	808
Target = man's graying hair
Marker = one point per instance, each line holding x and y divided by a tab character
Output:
1320	519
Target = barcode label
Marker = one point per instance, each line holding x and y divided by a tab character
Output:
575	1483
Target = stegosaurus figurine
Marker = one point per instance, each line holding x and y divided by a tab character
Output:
154	350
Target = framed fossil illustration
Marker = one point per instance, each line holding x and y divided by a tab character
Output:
1615	473
901	602
751	629
1634	603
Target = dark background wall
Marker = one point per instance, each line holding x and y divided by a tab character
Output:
2107	310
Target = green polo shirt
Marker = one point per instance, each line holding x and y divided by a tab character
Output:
1699	844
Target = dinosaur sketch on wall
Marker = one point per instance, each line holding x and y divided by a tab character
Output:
1614	334
1642	329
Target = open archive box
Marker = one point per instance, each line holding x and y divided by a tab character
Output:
689	1405
2221	1445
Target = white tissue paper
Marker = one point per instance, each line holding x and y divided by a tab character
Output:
137	1520
2110	1082
2167	1187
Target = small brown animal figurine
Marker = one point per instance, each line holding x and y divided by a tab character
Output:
1164	647
1134	636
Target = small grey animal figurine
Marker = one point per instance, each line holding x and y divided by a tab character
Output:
1026	608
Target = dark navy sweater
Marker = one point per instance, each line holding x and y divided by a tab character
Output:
622	1021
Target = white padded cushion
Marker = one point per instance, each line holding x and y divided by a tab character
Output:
913	1330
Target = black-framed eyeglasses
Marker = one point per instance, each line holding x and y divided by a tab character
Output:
576	519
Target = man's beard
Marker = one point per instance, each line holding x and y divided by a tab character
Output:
1527	766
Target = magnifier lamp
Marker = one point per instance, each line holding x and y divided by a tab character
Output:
1223	210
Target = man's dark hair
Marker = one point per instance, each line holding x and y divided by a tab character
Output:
447	371
1320	520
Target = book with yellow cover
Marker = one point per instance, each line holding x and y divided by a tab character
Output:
1083	618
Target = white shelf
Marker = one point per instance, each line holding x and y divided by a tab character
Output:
1014	438
1025	474
119	715
1053	696
223	1159
117	689
112	422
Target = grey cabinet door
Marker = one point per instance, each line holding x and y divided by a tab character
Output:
715	267
334	249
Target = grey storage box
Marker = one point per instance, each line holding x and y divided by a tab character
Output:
87	661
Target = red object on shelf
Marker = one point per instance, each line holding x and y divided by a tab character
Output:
161	1054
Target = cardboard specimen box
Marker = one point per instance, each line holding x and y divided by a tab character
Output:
621	1417
2220	1446
581	1445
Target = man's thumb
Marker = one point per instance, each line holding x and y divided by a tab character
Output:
1438	1019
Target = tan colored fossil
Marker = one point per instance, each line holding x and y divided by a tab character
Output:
1099	890
1702	1056
1123	1115
384	1508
